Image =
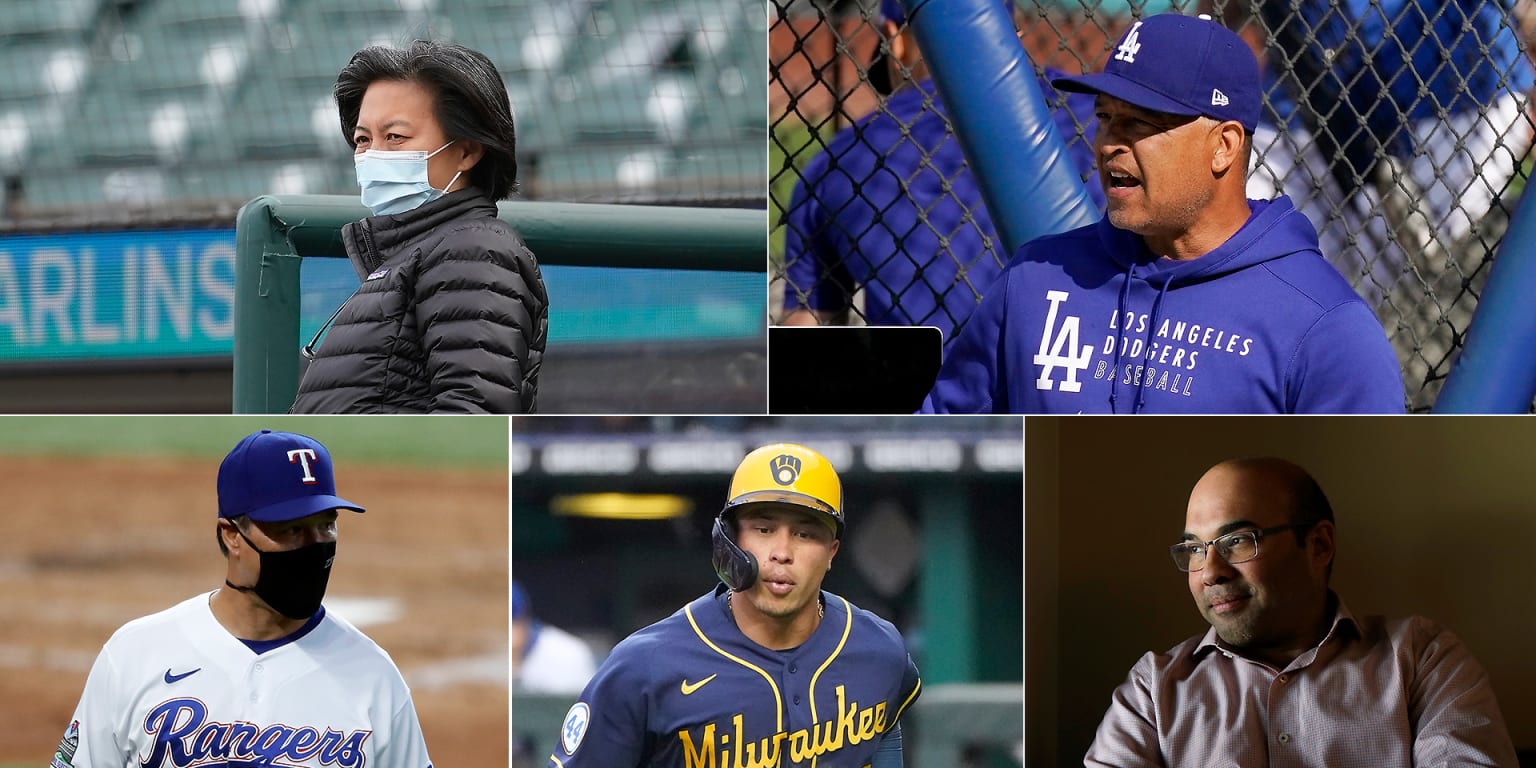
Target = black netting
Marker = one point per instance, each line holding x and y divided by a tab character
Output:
1400	127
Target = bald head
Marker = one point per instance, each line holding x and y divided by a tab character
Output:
1266	481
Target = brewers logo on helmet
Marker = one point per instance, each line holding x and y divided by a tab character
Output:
782	473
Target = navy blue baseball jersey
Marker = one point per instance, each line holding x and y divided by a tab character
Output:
692	691
892	206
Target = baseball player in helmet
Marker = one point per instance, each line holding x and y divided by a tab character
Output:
256	672
766	669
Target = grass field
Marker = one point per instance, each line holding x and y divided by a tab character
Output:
470	442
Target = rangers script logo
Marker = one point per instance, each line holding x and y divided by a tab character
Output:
185	737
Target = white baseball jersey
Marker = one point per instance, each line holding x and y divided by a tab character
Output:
557	662
177	689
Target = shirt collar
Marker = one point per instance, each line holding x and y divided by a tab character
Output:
1344	625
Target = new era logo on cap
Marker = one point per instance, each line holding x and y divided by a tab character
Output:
275	476
1180	65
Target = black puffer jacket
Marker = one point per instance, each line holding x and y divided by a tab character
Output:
451	317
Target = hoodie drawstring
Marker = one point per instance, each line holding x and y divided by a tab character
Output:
1146	355
1114	373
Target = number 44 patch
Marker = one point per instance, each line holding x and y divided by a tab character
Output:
1059	348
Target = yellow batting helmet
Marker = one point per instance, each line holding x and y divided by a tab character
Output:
781	473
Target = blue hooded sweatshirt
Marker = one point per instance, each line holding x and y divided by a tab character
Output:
1091	321
892	206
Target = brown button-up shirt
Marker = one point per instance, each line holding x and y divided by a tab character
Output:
1375	692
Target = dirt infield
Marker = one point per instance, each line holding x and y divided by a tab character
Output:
88	544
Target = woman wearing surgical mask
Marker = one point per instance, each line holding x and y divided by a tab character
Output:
452	314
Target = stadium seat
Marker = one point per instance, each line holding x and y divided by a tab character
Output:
406	19
501	43
732	69
130	185
240	182
319	50
39	71
62	20
731	170
115	128
600	169
284	119
172	66
619	38
633	109
200	18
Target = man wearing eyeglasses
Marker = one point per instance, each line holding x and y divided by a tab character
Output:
1287	675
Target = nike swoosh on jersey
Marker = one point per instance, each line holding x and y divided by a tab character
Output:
170	678
689	688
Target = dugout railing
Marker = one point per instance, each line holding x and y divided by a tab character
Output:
274	233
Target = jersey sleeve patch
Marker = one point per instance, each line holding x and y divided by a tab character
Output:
65	756
575	727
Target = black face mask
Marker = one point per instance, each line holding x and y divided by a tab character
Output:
292	581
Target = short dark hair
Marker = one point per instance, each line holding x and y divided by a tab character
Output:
469	101
1308	503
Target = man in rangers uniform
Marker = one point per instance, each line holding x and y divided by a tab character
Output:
255	672
767	669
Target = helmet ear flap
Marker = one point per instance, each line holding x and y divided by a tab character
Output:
734	565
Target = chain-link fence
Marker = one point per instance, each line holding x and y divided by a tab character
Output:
166	105
1399	127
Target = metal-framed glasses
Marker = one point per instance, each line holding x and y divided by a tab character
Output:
1235	547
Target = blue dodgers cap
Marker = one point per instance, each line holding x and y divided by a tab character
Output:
277	476
1180	65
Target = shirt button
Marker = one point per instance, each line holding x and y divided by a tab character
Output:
1285	678
797	699
258	667
1285	738
792	669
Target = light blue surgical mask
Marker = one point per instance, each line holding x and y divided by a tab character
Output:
395	181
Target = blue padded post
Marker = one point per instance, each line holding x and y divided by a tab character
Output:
1004	124
1496	371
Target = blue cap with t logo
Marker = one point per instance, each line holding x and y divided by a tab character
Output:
276	476
1179	65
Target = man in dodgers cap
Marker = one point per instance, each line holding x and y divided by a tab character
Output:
1187	297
